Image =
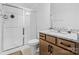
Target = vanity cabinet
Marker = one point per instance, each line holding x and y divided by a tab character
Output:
44	47
52	45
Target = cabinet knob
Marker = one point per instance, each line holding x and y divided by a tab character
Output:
50	49
65	44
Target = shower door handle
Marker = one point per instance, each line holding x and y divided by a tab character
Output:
23	31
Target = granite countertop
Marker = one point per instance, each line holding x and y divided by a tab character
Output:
66	36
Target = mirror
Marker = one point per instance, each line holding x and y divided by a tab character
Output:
65	15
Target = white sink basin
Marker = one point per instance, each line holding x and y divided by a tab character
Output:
66	35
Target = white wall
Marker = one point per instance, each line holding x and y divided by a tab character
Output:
30	26
65	15
33	25
43	17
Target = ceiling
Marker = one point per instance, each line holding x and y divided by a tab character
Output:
27	5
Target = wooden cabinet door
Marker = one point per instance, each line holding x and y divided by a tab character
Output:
59	51
44	47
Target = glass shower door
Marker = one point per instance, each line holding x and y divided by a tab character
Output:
12	27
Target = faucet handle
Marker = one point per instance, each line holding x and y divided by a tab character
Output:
70	31
50	28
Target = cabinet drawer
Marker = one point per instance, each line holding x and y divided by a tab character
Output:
60	51
51	39
66	44
42	36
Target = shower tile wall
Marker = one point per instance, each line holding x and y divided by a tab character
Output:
0	27
12	27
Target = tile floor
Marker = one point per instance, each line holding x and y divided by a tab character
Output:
25	52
